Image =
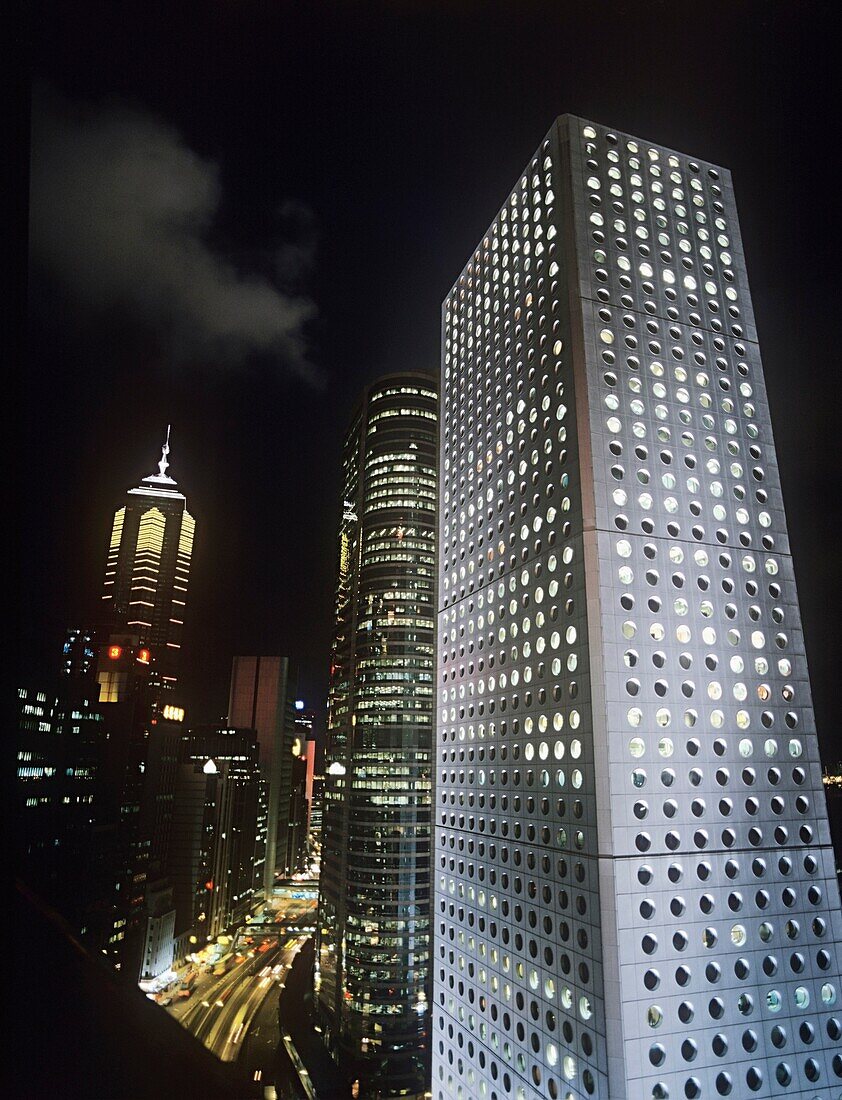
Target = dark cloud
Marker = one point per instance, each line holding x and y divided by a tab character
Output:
121	211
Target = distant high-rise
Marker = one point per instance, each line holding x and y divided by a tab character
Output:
309	779
214	823
262	697
298	807
148	568
373	942
317	802
634	888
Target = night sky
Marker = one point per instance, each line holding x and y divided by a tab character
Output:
242	212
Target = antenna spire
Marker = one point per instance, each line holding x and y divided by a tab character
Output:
165	450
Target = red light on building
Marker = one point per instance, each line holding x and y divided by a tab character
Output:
115	652
143	656
209	885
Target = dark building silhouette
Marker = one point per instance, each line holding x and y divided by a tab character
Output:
262	697
214	830
61	740
298	812
317	802
78	1033
136	804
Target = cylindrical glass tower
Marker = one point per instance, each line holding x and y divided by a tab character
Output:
373	945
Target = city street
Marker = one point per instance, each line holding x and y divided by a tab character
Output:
235	1014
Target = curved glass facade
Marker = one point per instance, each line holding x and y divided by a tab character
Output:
373	946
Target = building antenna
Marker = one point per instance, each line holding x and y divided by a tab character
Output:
165	450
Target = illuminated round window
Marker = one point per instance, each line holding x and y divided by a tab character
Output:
738	935
637	747
774	1001
654	1016
665	746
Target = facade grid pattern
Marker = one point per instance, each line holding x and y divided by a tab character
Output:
634	886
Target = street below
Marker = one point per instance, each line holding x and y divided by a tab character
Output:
232	1003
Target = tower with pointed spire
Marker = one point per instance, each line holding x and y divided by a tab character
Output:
148	568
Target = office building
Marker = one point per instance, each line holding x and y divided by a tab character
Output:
211	852
373	938
305	720
302	808
79	654
138	654
634	890
297	814
140	768
60	750
262	697
160	939
148	569
317	802
310	776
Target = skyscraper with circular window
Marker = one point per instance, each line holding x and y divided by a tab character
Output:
373	941
635	896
